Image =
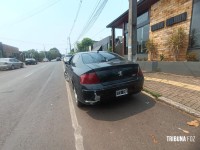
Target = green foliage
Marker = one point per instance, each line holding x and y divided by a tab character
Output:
154	94
177	42
84	45
192	56
151	48
110	49
32	53
53	53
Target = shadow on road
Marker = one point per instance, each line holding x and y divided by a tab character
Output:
121	108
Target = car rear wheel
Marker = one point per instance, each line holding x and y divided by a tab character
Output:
77	97
22	65
12	67
66	76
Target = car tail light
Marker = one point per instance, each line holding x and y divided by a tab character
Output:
89	78
139	72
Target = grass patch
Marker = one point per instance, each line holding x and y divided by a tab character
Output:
154	94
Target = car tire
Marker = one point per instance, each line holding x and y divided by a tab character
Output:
66	75
77	98
12	67
22	65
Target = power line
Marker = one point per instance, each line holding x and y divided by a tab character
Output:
99	32
35	12
77	13
94	16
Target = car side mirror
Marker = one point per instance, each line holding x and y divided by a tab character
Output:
67	62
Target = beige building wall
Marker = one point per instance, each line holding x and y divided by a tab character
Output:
163	10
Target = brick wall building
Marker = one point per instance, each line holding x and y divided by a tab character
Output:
8	51
1	50
157	20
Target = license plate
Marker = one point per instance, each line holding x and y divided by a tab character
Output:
121	92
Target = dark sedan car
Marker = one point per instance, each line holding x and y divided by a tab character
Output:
98	76
30	61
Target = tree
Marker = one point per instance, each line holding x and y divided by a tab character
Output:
84	44
32	53
53	53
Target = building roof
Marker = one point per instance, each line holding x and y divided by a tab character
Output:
142	6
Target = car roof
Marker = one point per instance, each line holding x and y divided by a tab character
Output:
94	52
5	59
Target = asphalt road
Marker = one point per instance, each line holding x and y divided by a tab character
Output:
37	112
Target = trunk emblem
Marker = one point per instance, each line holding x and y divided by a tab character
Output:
120	74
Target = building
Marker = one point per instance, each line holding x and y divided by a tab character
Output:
106	44
1	50
157	20
103	44
8	51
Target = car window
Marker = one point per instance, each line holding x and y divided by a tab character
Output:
15	60
111	56
12	60
75	60
92	58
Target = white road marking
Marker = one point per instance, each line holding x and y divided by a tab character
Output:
28	75
34	71
77	128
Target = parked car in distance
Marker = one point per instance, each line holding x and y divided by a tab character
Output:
30	61
99	76
45	60
10	63
67	58
58	59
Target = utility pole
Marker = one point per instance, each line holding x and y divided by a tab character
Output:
132	31
44	51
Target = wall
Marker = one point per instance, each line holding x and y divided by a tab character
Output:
163	10
179	68
1	50
10	51
105	43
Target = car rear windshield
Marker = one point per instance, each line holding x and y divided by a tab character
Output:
111	56
99	57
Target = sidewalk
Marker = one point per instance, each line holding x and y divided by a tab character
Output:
182	92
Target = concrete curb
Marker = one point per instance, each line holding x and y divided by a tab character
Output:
176	105
180	106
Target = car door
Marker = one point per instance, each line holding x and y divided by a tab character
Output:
17	63
12	62
71	66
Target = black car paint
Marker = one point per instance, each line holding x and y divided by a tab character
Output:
105	89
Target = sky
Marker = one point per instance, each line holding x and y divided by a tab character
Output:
44	24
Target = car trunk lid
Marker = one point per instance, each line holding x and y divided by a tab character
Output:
112	72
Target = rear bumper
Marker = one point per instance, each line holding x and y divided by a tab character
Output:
105	93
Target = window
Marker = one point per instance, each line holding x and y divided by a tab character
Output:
195	24
75	60
143	19
142	33
142	37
